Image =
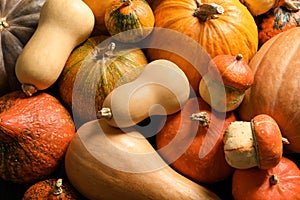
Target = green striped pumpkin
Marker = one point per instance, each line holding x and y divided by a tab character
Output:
134	19
92	71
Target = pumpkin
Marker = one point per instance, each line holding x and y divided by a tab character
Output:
134	19
51	189
99	7
92	71
275	88
108	163
219	27
279	182
277	20
192	142
227	79
34	135
256	143
259	7
18	21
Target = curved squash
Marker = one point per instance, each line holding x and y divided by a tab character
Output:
103	162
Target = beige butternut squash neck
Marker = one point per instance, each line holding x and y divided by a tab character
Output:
62	26
162	88
123	165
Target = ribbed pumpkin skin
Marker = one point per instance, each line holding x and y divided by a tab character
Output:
276	21
34	135
84	84
19	20
44	190
275	90
231	33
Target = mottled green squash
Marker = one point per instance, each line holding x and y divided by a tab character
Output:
93	70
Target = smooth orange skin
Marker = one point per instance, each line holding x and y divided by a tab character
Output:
208	169
254	184
269	141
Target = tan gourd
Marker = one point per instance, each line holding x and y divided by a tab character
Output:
104	162
162	88
62	26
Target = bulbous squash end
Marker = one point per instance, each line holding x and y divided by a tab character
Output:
28	89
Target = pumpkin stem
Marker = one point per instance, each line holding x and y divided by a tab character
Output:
273	179
285	140
206	11
104	54
239	57
3	24
57	189
104	113
202	117
28	89
293	6
126	2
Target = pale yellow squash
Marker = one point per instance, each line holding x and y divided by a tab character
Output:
62	26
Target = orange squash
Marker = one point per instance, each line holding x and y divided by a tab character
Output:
192	142
279	182
219	27
276	83
34	135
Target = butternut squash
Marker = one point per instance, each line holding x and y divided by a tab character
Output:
104	162
62	26
162	88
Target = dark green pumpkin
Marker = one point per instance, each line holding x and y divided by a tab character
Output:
92	71
18	21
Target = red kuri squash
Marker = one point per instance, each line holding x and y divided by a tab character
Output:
192	142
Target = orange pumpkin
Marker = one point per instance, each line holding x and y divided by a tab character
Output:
280	182
52	189
92	71
276	83
219	27
34	135
192	142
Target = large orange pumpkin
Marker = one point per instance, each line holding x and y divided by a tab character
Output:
219	27
192	142
275	90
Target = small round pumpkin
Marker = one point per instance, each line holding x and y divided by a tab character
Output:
52	189
92	71
18	21
34	135
219	27
280	182
133	18
276	83
192	142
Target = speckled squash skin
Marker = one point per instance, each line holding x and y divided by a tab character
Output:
34	135
88	77
47	189
18	21
276	21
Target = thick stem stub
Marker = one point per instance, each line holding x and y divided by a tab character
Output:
206	11
202	117
104	113
28	89
273	179
57	189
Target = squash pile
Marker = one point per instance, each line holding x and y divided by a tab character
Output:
150	99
